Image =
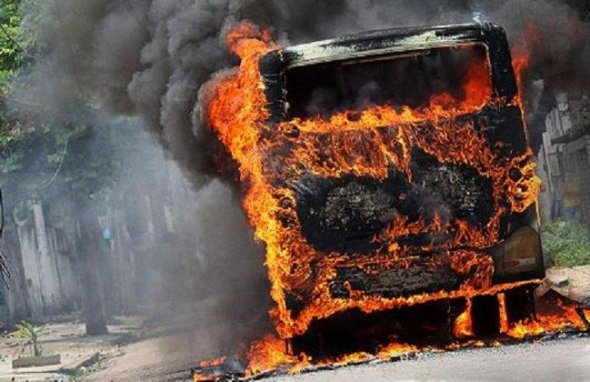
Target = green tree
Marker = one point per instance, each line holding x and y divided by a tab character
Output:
11	53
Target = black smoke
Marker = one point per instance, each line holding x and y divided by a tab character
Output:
149	58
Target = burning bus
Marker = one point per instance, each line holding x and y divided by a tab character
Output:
388	174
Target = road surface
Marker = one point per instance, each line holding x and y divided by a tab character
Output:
557	360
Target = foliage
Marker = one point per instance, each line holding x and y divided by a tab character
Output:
31	333
11	53
568	243
76	161
81	164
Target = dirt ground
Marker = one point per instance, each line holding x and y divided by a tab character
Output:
67	339
129	353
161	346
159	359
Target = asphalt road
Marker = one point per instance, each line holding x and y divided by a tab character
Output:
556	360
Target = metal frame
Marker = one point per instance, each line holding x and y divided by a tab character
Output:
389	41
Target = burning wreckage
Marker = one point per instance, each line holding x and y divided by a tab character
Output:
389	176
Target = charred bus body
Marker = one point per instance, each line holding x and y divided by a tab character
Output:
347	216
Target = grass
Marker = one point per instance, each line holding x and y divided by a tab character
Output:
568	243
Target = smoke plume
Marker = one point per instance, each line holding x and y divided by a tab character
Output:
149	58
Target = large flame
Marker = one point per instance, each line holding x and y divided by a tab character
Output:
562	315
237	113
385	136
270	352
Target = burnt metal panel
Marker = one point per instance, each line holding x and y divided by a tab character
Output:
389	41
393	282
341	217
344	214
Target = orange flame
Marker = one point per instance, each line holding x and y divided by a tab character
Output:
503	313
564	317
463	324
267	353
272	353
363	143
237	113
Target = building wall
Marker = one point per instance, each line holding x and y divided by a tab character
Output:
48	274
41	242
576	181
564	160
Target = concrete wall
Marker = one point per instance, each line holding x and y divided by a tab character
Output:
564	160
47	273
44	247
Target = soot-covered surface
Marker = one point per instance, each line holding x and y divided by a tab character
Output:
344	214
393	282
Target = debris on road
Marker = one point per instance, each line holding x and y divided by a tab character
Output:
571	283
